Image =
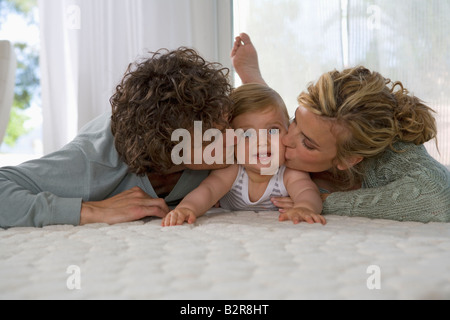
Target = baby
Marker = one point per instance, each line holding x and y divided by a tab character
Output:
260	120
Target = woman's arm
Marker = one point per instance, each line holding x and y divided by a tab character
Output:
415	197
203	198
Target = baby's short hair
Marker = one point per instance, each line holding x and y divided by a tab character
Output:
254	97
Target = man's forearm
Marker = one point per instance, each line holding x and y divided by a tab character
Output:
22	208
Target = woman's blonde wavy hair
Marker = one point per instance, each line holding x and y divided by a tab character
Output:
375	112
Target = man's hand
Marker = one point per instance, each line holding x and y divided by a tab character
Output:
128	206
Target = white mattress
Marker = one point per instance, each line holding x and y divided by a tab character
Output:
239	255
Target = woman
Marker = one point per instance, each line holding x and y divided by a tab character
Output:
361	136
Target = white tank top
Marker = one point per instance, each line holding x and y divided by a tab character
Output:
238	199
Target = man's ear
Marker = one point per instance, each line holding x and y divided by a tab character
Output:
350	162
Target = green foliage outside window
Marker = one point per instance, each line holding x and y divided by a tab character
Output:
27	74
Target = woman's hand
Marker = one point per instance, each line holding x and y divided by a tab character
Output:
178	216
127	206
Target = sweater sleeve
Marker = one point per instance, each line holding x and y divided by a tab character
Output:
419	196
22	208
45	191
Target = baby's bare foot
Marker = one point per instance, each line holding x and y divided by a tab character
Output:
245	60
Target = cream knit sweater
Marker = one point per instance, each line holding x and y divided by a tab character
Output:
405	186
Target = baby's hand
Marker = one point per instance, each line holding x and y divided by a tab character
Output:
298	215
178	216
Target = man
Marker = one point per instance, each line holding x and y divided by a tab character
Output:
119	167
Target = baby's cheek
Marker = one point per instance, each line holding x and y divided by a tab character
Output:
277	145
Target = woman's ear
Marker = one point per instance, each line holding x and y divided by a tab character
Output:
350	162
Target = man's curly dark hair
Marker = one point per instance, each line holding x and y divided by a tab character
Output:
168	91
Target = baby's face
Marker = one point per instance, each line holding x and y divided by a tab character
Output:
261	139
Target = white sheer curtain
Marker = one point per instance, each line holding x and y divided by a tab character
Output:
406	41
88	44
296	41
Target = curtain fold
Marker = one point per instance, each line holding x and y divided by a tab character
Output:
86	46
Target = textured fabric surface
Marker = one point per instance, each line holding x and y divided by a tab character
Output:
239	255
405	186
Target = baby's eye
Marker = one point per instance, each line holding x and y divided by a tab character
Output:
249	133
273	131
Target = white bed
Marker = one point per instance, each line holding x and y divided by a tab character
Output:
238	256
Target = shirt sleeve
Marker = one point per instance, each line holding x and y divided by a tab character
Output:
45	191
415	197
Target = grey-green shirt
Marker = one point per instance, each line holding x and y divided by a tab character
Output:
50	190
405	186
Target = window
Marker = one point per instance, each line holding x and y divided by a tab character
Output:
23	140
297	41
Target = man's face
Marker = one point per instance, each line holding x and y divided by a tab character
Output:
204	150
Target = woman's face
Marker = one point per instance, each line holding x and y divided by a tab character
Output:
311	142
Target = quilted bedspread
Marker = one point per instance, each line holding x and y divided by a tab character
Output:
228	255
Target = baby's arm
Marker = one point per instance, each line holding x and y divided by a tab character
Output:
306	197
203	198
